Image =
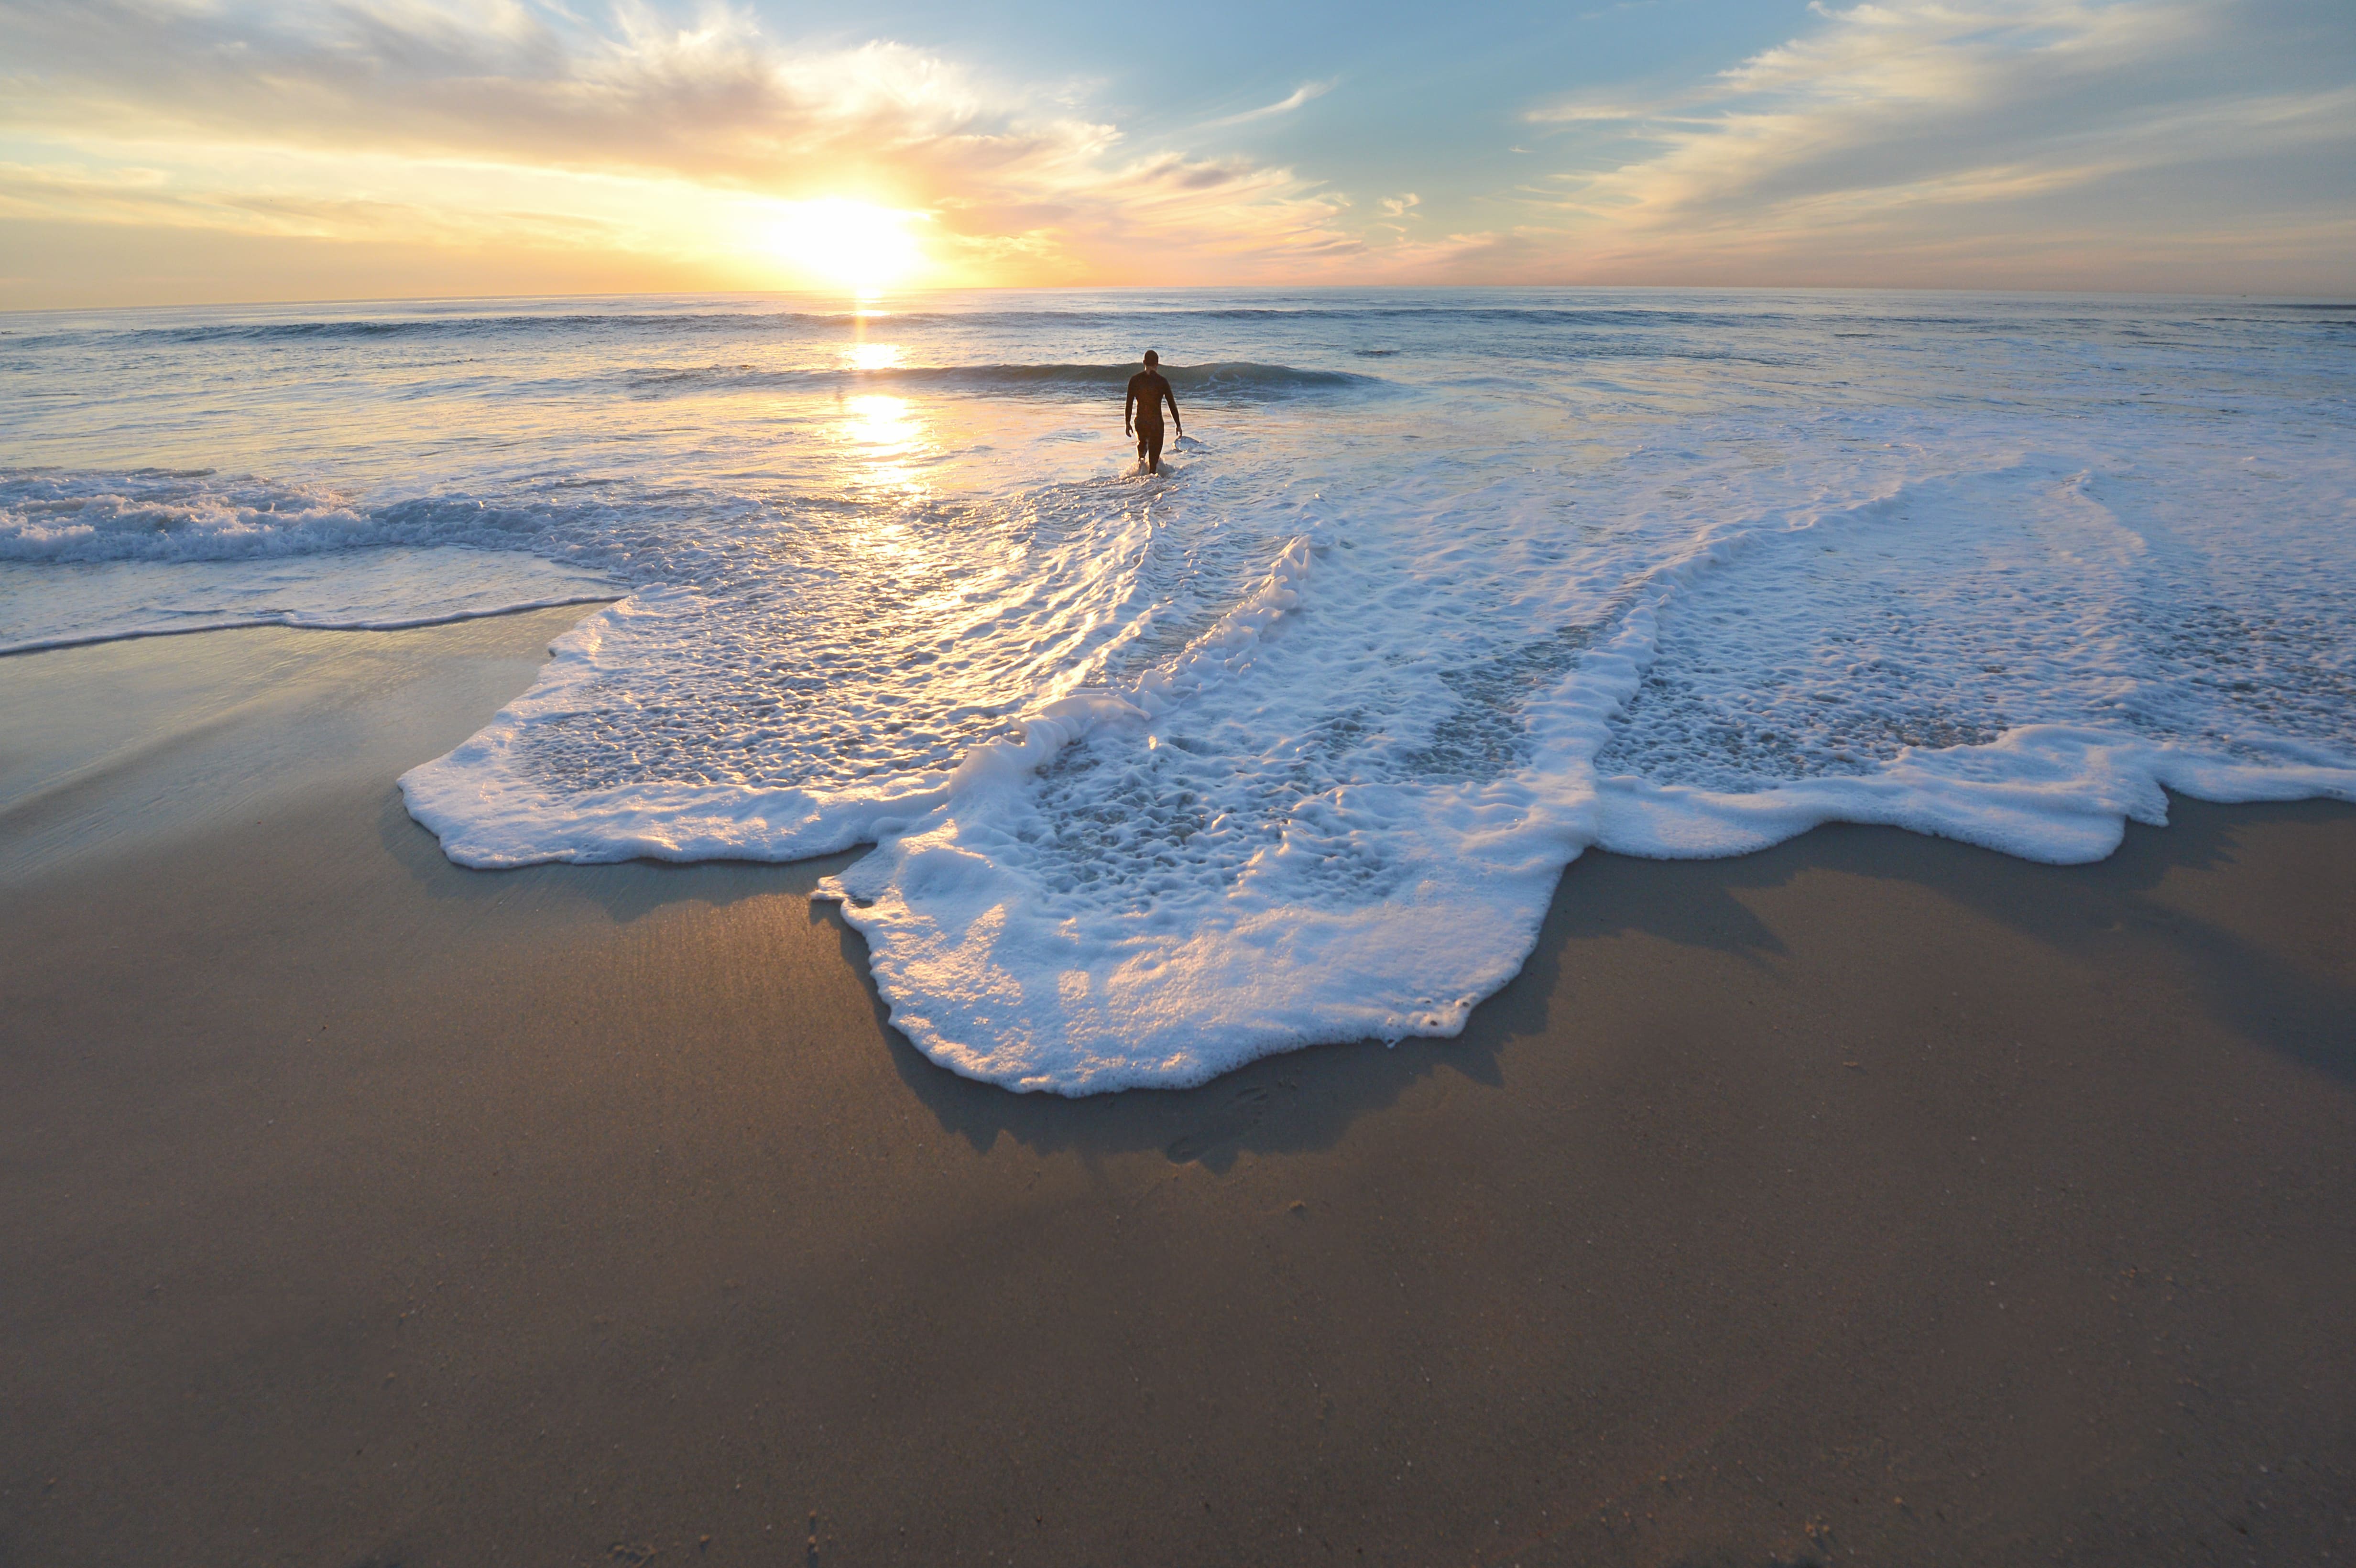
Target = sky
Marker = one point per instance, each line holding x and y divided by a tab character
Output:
157	152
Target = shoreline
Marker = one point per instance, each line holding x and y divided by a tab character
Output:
94	639
1871	1198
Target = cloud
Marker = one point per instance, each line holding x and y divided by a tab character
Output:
2191	144
641	131
1299	96
2073	141
1576	112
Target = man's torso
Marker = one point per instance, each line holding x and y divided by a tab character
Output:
1148	389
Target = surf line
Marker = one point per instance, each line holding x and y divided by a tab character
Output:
288	622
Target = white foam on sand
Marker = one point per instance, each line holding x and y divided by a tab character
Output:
1290	896
1339	811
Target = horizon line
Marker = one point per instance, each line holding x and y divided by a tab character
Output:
856	302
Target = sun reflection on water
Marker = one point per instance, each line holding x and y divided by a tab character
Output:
888	444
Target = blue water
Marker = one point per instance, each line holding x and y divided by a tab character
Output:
1291	742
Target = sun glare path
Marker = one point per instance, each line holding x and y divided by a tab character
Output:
887	444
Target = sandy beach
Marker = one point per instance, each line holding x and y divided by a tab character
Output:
1873	1200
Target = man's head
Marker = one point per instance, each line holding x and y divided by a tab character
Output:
1152	359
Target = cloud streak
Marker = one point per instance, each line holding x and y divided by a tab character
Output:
2007	141
1286	106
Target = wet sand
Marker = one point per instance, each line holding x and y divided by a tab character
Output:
1871	1199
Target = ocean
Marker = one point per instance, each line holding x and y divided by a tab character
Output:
1290	743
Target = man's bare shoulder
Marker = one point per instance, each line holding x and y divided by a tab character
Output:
1146	381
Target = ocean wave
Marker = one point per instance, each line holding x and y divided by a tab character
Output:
174	514
368	330
1145	316
659	325
1229	381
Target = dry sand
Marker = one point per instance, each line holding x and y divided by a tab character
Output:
1873	1200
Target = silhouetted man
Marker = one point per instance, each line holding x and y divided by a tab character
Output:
1142	412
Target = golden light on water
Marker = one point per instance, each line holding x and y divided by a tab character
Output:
882	423
871	356
888	442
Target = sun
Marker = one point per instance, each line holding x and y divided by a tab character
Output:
854	245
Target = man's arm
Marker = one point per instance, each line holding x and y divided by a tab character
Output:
1172	398
1128	410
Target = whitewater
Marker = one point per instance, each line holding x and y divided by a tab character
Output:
1291	743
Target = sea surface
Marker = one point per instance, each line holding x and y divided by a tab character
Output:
1292	742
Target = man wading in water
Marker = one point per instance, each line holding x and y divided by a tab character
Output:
1147	392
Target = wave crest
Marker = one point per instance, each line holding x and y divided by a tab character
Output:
167	514
1237	380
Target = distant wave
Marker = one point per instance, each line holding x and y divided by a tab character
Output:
789	323
1226	379
1141	317
363	330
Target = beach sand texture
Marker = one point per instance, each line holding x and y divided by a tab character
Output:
1874	1199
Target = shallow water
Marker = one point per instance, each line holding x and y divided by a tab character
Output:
1291	742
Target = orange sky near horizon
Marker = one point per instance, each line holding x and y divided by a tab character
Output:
165	152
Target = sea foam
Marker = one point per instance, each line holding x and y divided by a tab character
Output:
1292	742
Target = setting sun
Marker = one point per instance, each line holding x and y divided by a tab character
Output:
853	244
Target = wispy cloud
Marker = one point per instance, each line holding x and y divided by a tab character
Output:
1285	105
2011	141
